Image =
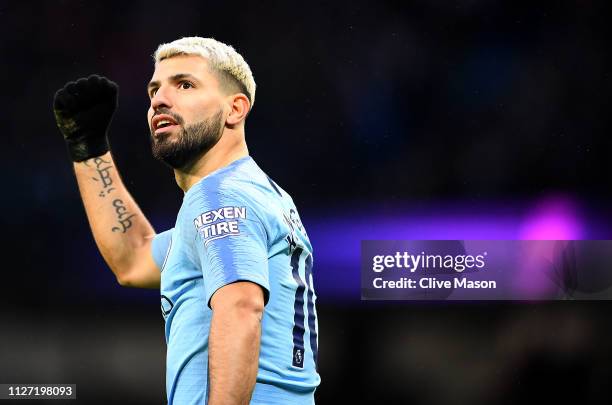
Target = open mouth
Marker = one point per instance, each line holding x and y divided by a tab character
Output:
163	123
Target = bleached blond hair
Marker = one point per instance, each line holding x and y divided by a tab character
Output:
221	57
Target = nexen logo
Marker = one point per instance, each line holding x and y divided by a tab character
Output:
219	223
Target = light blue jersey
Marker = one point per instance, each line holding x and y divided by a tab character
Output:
237	224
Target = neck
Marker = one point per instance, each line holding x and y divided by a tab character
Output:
230	148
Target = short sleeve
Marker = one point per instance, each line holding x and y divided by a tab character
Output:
231	243
161	246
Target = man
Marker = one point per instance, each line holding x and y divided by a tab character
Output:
236	270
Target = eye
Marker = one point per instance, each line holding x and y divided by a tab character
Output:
152	92
186	85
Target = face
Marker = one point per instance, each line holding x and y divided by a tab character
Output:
186	116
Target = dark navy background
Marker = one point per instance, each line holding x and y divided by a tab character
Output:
384	120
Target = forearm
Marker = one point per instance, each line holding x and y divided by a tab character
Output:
234	342
120	229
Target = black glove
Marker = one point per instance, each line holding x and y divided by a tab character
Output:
83	111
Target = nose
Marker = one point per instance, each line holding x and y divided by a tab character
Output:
161	99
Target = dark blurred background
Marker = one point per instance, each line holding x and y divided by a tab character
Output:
463	114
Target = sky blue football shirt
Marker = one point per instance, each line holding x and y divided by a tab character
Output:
237	224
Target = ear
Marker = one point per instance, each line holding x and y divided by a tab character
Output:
239	108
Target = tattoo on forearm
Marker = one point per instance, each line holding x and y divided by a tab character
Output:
124	217
103	168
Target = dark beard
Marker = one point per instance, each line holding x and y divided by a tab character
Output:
192	142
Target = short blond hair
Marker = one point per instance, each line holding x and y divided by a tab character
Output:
221	57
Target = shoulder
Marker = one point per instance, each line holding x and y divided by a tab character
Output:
242	182
235	192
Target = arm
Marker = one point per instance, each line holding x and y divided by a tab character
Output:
83	111
234	341
120	229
